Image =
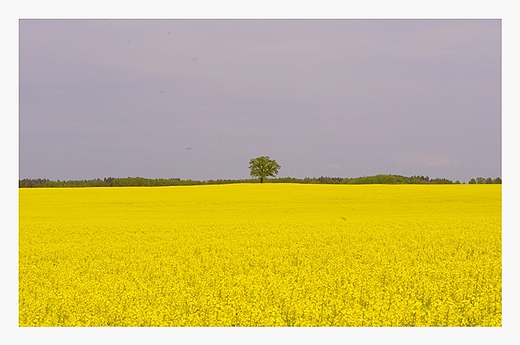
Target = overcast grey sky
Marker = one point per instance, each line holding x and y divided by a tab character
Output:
346	98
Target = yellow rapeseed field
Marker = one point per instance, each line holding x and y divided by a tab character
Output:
261	255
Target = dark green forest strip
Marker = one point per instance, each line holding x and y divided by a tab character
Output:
146	182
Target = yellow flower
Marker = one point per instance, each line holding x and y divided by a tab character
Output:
261	255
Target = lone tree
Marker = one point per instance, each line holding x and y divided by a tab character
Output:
262	167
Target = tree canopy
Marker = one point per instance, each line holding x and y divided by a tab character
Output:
263	167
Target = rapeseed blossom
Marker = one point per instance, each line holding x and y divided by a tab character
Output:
261	255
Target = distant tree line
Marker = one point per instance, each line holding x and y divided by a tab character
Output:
141	181
107	182
396	179
482	180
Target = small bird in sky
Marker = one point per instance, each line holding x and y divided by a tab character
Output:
188	148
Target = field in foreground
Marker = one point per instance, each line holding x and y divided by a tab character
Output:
261	255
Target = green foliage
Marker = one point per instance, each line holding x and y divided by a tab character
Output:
141	181
482	180
394	179
263	167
